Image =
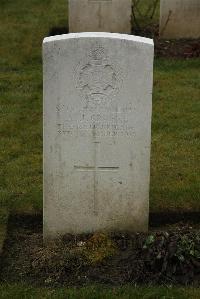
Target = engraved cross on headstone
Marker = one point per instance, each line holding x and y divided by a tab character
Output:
95	168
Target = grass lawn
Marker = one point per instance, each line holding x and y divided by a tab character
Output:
175	176
97	292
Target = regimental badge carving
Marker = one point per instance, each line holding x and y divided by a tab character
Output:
98	79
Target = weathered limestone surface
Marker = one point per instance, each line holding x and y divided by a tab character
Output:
100	16
180	18
97	132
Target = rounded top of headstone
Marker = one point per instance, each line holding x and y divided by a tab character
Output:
108	35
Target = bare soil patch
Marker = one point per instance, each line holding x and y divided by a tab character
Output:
177	48
170	255
183	48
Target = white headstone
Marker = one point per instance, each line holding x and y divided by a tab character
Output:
100	16
97	132
180	18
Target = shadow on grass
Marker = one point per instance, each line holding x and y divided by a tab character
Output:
155	220
58	30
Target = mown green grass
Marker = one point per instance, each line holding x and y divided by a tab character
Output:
175	175
23	25
97	292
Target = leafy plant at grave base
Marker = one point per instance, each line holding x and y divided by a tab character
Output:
160	257
175	256
187	247
149	240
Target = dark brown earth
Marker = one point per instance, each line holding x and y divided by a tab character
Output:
170	255
178	48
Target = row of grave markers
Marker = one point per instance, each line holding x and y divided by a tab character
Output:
178	18
97	124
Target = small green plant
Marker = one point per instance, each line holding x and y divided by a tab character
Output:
187	247
149	240
174	255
